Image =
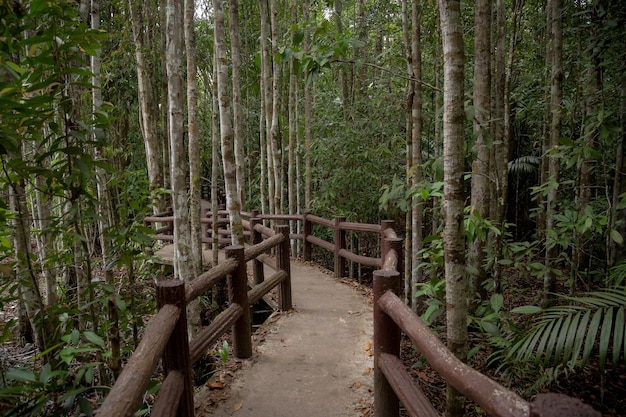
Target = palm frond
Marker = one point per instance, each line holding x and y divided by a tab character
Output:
524	165
568	334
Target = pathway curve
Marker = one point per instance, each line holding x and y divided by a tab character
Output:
315	361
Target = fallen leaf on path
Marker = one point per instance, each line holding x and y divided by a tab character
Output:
356	385
237	406
217	385
367	346
282	342
367	371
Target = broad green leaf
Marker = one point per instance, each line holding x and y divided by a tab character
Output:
497	301
21	374
616	236
527	310
94	338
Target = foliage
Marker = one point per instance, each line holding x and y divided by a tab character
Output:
567	335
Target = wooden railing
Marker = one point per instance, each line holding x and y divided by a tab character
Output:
166	336
394	386
339	227
392	383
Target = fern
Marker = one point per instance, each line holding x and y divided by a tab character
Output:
568	334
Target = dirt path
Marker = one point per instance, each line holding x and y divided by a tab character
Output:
314	361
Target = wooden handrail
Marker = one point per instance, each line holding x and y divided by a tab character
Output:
166	336
392	383
125	396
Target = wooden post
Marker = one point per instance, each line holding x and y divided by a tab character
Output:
340	243
256	237
238	294
386	340
283	262
176	355
306	232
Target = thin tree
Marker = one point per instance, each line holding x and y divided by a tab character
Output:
233	205
193	134
556	96
453	204
482	116
148	109
235	56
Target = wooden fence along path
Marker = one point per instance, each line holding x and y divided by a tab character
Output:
166	336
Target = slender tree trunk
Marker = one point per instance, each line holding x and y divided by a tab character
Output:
410	98
556	96
292	113
215	166
235	47
26	275
103	208
417	117
147	104
194	310
266	91
183	257
482	117
275	139
308	114
453	149
233	205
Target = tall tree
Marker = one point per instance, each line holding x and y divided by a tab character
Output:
556	96
193	135
453	199
141	18
233	205
183	256
482	116
238	136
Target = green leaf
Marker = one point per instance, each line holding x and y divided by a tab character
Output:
591	335
605	336
527	310
497	301
94	338
21	374
618	336
616	236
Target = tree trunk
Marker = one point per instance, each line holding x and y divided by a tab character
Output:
266	91
275	139
417	122
480	166
556	94
183	257
453	150
308	113
147	104
194	310
235	47
292	115
233	205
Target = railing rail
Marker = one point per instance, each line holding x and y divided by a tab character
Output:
253	224
166	336
394	386
392	383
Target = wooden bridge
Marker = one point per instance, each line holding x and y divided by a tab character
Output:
166	336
